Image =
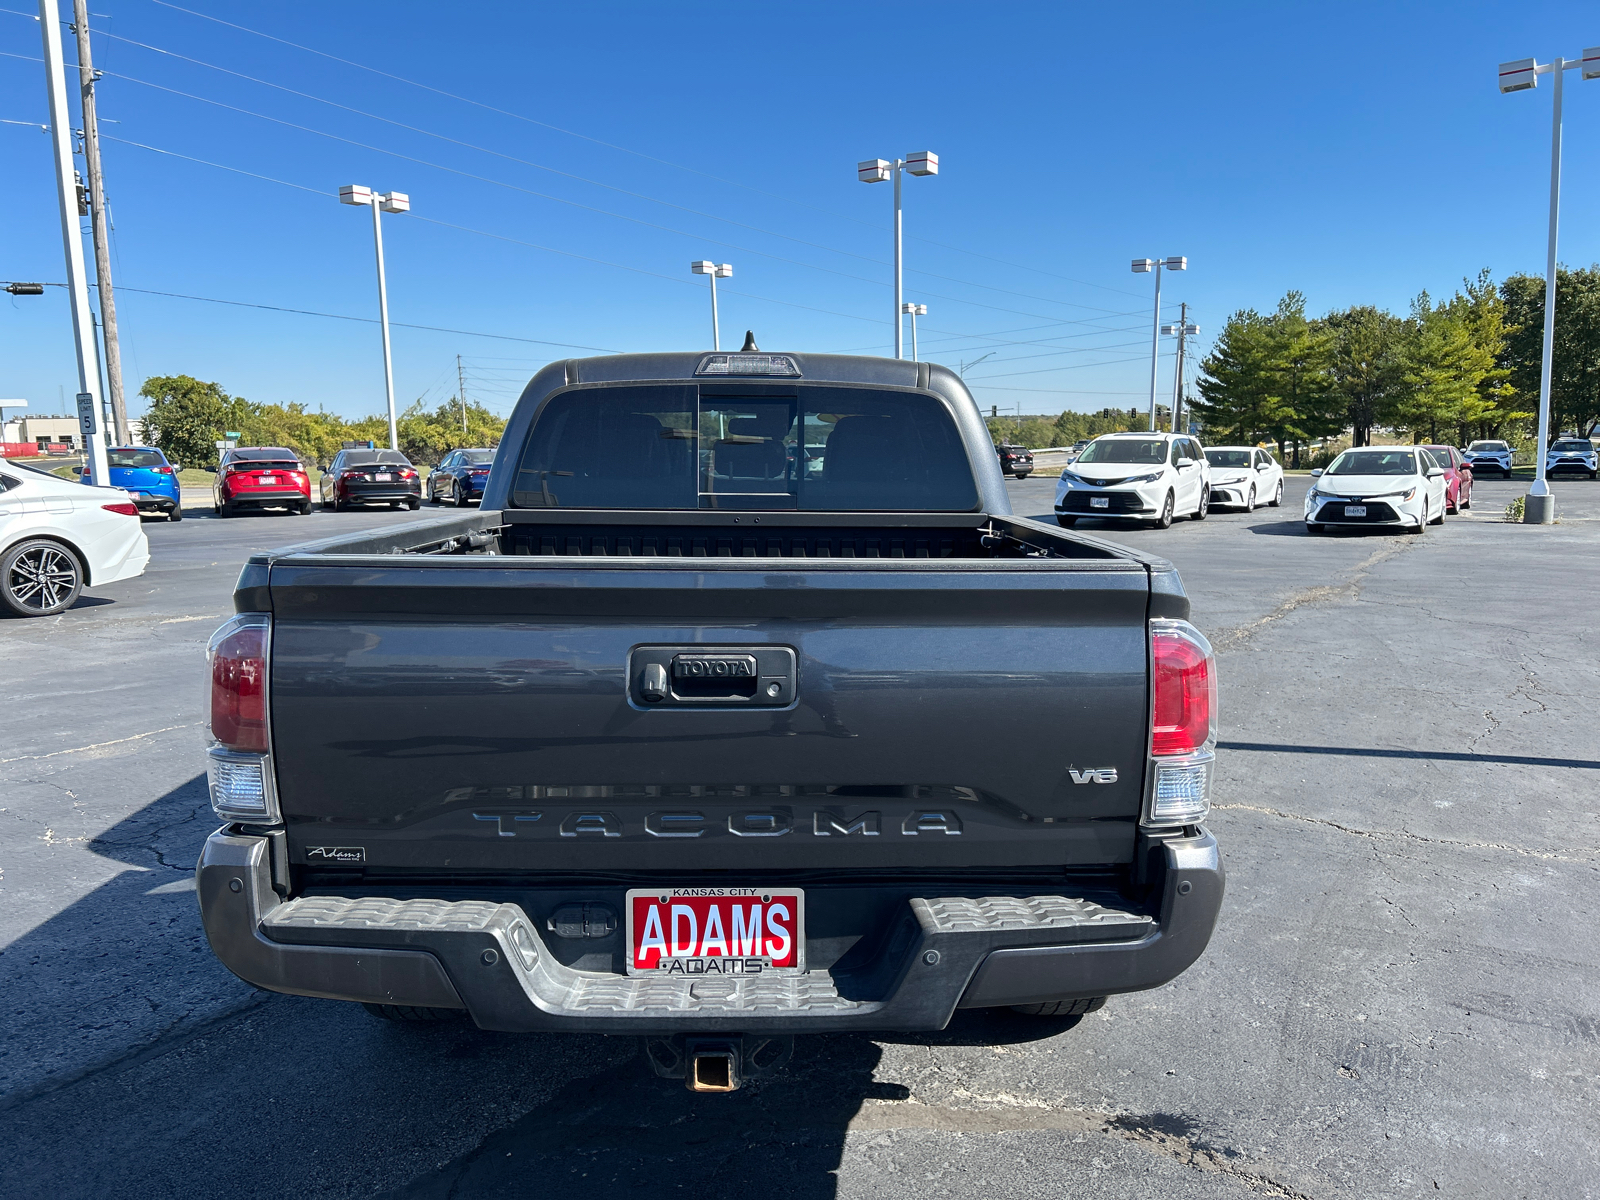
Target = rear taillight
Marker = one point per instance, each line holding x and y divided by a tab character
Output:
407	473
352	475
238	655
1183	725
239	763
163	470
1185	707
127	510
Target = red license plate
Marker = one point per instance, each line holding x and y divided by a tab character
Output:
716	931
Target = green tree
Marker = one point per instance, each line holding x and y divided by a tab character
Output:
1575	364
1236	380
1300	403
1442	367
1482	308
185	417
1365	368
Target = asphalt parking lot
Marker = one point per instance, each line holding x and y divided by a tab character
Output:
1399	1000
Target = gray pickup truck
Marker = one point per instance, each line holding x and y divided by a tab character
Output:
742	708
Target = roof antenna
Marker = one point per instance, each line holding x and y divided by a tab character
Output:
749	343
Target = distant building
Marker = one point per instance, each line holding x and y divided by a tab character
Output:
47	433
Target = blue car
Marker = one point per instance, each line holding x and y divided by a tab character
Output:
147	475
461	477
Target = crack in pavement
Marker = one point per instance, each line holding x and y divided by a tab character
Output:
96	746
1232	639
1166	1135
173	1035
1403	835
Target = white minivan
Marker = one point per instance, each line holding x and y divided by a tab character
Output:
1144	476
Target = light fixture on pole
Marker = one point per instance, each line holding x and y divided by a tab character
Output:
715	271
914	311
1183	330
389	202
1141	266
880	170
1539	508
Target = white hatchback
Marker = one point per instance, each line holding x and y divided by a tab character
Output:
1378	485
58	537
1146	476
1244	476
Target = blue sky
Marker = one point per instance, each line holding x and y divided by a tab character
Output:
1358	152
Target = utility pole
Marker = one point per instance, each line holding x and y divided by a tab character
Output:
72	238
461	394
87	76
1177	379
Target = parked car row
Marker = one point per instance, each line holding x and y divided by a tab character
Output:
1154	477
1158	477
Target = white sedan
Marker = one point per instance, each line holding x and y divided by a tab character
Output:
1244	476
58	537
1400	486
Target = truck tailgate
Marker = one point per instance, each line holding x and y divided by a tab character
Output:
473	715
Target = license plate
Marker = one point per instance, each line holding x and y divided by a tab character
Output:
1355	510
1099	501
266	479
385	478
716	931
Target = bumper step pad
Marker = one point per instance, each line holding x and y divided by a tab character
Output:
942	953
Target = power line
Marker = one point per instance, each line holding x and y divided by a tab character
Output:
306	312
637	153
583	179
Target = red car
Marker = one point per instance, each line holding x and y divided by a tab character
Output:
261	477
1457	477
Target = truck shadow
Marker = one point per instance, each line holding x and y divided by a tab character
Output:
201	1085
626	1130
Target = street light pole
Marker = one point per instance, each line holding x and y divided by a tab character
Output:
879	170
1141	266
914	311
714	271
94	434
385	202
1520	76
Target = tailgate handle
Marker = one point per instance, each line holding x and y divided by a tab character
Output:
713	676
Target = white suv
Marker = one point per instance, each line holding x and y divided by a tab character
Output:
1489	455
1146	476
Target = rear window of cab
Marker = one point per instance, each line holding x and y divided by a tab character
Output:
681	446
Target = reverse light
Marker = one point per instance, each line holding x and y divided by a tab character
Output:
1183	724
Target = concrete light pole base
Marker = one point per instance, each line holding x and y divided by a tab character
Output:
1539	510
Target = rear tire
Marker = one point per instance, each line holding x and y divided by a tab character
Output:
225	510
39	578
411	1014
1055	1008
176	514
1466	501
